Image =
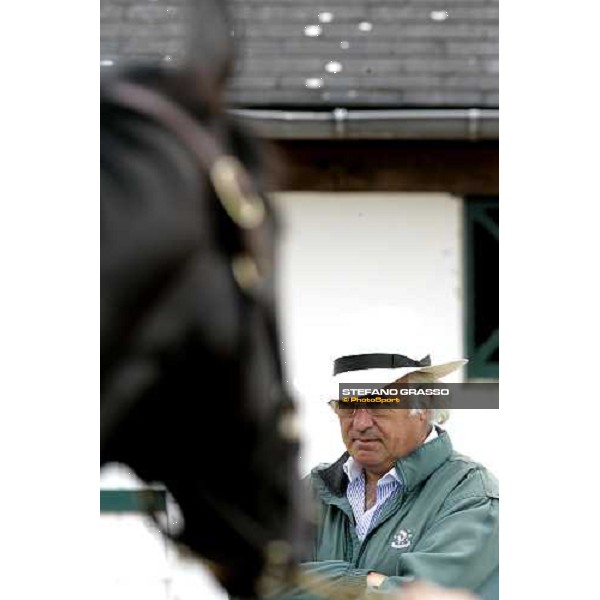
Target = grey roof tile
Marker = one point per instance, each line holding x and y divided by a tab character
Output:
406	58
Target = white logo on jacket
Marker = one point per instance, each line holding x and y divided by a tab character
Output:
402	539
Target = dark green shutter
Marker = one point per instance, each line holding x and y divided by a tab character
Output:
481	286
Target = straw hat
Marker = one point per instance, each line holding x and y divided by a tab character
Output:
384	369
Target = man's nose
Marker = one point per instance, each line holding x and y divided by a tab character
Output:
362	420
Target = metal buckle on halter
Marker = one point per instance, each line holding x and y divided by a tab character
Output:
245	209
245	271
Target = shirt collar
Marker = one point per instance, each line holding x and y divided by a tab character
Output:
353	469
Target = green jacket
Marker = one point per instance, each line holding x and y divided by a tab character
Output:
442	527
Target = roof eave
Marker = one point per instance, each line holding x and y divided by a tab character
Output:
406	124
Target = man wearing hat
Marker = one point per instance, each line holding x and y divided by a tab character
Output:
400	504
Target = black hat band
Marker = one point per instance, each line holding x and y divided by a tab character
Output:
358	362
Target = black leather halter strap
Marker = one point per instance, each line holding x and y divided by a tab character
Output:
358	362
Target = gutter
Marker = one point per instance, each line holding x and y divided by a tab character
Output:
340	123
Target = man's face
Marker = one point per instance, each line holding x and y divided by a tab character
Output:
378	440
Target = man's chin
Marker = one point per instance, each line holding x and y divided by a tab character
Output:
367	456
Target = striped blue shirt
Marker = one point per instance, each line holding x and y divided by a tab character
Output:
387	486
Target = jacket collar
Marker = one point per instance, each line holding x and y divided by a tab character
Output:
412	469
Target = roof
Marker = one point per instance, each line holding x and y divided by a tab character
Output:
301	54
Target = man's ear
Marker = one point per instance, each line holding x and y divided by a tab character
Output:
423	415
420	413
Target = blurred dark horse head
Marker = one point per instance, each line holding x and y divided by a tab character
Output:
192	391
